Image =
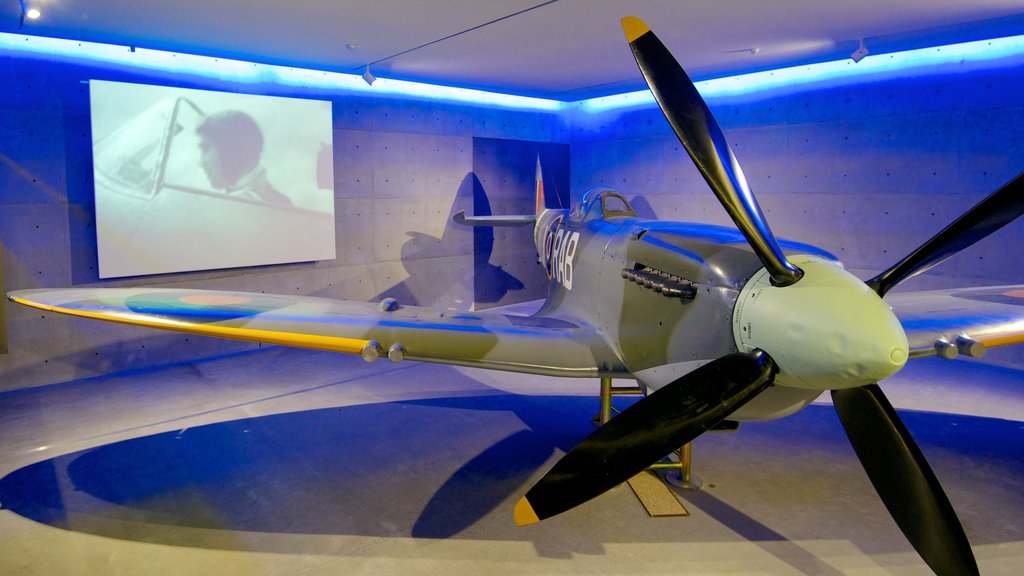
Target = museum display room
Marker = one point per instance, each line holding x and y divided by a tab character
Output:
519	287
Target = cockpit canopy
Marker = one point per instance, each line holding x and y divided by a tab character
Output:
601	204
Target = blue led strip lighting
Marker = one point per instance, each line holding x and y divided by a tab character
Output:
924	61
921	62
111	55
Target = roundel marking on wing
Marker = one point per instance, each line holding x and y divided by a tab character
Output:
213	307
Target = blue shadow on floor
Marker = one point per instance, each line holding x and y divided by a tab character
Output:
453	467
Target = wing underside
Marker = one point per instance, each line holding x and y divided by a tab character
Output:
529	344
933	320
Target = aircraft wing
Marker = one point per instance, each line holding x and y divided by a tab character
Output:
530	344
992	316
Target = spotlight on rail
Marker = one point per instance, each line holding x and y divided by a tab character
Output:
860	53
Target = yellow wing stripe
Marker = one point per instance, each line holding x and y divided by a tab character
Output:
994	341
331	343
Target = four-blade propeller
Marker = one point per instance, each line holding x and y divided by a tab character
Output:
682	410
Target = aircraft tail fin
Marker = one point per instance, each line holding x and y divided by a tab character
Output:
539	189
516	220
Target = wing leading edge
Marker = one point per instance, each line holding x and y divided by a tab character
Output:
948	322
528	344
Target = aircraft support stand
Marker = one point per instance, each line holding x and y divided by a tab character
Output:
648	485
680	475
607	391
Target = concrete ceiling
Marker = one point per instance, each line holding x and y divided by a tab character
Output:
564	49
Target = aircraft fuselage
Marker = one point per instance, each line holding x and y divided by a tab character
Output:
662	293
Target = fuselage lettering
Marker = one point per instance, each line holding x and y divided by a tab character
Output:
560	256
567	260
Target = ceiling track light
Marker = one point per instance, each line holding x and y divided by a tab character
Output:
369	77
27	11
859	53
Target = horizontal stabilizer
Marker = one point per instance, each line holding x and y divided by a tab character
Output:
524	220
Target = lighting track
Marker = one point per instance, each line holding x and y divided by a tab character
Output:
450	36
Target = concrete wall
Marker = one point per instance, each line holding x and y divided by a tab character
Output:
402	168
866	170
506	271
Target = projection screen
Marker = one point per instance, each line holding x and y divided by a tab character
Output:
197	180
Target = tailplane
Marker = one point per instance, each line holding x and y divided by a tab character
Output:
517	220
511	220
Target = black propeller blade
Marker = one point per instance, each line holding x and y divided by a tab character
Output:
904	480
997	210
700	134
646	432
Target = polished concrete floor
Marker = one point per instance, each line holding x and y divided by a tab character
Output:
283	461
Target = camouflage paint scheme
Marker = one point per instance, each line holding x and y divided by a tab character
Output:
595	322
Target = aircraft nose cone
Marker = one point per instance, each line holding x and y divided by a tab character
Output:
827	331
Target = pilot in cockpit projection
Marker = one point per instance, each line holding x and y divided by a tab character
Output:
230	147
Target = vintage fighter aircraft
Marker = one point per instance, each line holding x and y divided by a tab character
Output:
715	323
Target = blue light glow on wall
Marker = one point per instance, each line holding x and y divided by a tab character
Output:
926	61
224	69
921	62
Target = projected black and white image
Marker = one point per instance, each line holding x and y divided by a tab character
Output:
197	180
